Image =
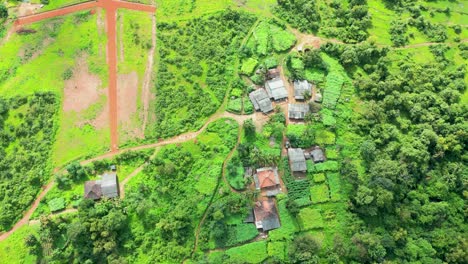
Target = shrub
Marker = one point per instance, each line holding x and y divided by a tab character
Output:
249	66
277	249
310	218
237	234
324	137
329	165
248	253
335	186
319	177
248	106
271	62
56	204
319	193
235	106
67	74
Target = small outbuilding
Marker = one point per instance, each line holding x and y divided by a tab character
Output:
273	73
317	154
276	89
298	111
267	179
107	186
297	160
261	101
301	88
266	215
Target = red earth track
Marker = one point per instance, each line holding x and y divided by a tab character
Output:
111	7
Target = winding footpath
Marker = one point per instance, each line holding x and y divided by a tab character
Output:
177	139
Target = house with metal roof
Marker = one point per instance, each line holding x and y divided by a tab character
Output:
298	111
300	88
266	215
317	154
261	101
267	180
276	89
107	186
297	160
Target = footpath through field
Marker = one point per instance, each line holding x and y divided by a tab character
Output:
178	139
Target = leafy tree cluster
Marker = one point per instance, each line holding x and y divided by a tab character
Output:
95	235
196	68
412	195
348	22
27	130
302	14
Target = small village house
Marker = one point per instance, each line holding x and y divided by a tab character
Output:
298	111
267	180
276	89
107	186
261	101
297	161
266	215
317	154
273	73
301	88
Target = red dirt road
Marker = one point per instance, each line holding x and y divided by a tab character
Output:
111	7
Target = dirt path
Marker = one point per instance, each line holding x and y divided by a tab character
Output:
148	74
111	7
178	139
223	176
25	219
126	180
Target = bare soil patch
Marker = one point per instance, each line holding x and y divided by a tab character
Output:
82	89
127	93
26	9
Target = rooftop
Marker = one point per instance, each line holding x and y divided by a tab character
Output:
107	186
266	215
276	89
261	100
297	159
266	178
300	87
317	154
298	111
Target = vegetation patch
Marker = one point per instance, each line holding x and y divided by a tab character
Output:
310	219
319	193
255	252
334	182
277	249
248	66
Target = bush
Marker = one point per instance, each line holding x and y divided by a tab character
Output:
249	66
335	186
3	12
271	62
310	219
319	193
235	106
319	177
248	106
277	249
56	204
250	253
329	165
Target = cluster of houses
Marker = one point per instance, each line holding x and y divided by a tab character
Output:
267	181
264	213
275	90
297	158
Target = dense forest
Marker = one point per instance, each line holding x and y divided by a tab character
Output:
411	199
27	130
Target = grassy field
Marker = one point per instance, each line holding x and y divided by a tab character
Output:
176	10
134	31
14	251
